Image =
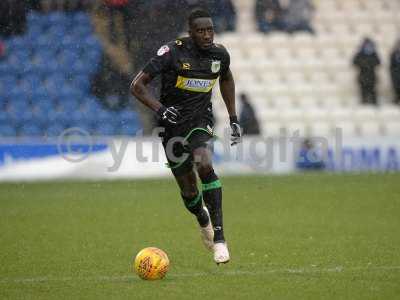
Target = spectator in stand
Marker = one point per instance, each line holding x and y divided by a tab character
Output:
65	5
395	71
268	15
247	118
367	60
309	158
297	16
223	14
115	8
12	17
2	50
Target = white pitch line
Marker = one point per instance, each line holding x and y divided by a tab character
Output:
308	270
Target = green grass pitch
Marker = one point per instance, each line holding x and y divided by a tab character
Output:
294	237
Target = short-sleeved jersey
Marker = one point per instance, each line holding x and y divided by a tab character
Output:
188	75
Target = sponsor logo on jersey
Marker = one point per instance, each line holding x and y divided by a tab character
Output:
195	84
215	66
164	49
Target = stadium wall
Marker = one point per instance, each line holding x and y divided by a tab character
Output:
31	160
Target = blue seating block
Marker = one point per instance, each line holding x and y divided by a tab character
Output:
30	129
7	131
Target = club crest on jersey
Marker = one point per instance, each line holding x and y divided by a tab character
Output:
164	49
215	66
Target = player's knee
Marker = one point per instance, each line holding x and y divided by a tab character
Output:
205	172
192	203
189	193
204	169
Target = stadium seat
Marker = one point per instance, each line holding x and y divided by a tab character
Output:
128	129
30	130
104	129
7	131
273	129
370	128
346	128
54	130
296	129
320	129
389	113
392	128
69	104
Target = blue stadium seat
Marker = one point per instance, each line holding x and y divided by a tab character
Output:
69	105
34	32
33	17
39	92
3	103
81	82
30	82
67	92
13	66
23	56
16	93
17	105
81	18
30	129
7	131
61	117
17	42
69	42
7	82
104	129
42	109
92	42
4	118
129	129
54	129
46	44
78	116
56	18
52	60
92	56
81	31
4	68
82	68
24	116
55	82
57	32
38	19
84	125
127	115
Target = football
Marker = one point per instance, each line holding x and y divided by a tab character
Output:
151	263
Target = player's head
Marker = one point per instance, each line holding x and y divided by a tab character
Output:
201	28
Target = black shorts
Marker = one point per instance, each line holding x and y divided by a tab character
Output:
180	141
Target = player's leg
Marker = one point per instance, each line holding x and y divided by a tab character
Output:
211	188
192	199
212	195
191	196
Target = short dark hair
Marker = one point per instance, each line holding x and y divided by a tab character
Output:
196	14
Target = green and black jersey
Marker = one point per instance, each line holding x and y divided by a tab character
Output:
188	75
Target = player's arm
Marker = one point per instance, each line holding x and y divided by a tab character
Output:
139	86
140	90
227	88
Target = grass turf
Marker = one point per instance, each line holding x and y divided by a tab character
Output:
304	236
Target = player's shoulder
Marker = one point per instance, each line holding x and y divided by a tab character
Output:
172	46
220	49
183	42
